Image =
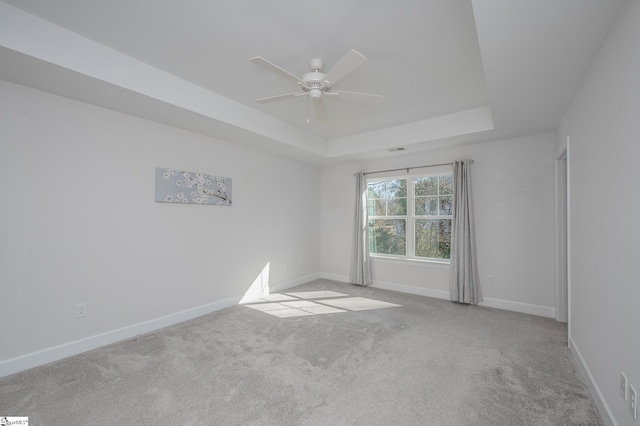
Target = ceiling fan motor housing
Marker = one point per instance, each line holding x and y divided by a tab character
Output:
314	83
315	93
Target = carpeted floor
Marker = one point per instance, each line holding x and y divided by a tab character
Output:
323	353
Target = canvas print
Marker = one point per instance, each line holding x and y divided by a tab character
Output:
177	186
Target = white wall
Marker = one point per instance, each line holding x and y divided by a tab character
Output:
513	183
603	124
78	222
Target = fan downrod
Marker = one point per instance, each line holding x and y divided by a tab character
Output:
316	64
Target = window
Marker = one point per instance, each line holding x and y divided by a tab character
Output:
410	216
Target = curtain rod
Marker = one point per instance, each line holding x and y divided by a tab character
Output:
409	168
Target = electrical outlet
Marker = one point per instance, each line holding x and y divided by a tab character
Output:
623	385
633	402
491	280
81	310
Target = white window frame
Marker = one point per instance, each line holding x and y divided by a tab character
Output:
411	217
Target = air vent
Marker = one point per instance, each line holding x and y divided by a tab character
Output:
397	148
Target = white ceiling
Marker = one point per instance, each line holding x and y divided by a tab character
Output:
452	71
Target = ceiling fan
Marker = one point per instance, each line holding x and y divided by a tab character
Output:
316	85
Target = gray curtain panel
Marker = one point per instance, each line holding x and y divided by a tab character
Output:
464	280
360	260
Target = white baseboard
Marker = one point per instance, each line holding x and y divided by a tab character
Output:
334	277
507	305
525	308
420	291
55	353
293	283
601	403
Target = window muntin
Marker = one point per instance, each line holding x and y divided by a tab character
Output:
410	216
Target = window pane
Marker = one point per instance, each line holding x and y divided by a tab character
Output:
380	207
426	205
446	205
387	236
376	207
433	238
375	204
375	189
387	198
426	185
396	188
446	184
397	207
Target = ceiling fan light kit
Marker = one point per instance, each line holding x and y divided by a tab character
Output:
316	85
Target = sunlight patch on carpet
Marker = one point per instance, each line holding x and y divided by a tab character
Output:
358	303
276	297
316	294
307	303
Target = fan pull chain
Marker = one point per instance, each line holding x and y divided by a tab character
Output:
307	108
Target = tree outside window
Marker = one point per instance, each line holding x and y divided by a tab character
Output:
410	217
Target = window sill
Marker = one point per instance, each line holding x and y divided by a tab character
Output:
409	261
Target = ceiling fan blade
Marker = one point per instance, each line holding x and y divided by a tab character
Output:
365	98
280	97
276	69
348	63
321	109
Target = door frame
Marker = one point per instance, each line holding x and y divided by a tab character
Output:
563	240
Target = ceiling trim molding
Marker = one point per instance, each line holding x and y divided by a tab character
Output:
432	129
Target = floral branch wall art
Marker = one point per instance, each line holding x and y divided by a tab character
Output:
177	186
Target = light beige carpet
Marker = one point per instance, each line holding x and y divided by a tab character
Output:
323	353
